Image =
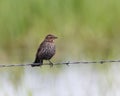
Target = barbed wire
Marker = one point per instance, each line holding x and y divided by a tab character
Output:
66	63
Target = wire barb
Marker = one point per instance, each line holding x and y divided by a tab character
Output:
66	63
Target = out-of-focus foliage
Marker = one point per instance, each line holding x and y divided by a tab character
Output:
86	29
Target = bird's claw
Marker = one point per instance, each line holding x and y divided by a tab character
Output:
36	64
51	64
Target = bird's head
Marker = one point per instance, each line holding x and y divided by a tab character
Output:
50	38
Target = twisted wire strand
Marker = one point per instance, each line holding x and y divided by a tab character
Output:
66	63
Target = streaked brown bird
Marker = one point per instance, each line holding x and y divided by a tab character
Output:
45	51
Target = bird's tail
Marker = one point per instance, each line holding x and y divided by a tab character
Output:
37	62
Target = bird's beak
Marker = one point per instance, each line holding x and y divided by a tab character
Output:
55	37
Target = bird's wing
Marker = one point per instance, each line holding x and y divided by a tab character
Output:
40	50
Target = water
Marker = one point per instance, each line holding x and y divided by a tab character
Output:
76	80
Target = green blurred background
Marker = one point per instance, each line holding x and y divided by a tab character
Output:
87	30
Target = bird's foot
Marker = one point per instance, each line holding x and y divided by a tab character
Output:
36	64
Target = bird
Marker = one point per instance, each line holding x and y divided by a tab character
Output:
46	51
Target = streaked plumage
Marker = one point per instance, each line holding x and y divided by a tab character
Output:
45	51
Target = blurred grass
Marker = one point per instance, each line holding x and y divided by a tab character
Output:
86	30
89	29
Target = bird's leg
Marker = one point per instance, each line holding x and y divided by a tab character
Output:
51	64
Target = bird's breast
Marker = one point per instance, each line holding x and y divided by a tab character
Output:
50	50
